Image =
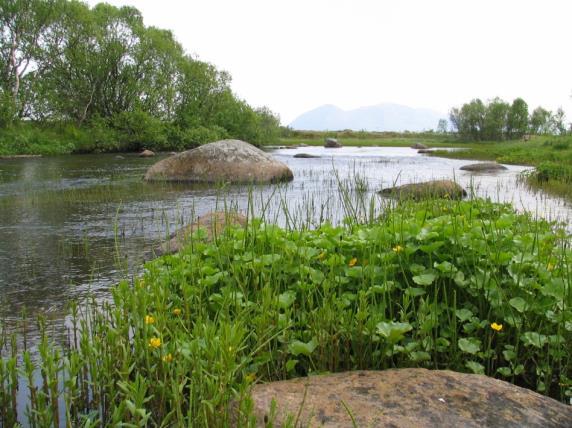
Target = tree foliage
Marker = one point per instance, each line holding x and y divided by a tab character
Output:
64	62
498	120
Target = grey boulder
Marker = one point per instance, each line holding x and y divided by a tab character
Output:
226	161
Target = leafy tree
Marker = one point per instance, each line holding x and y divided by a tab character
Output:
22	24
557	122
442	126
495	121
517	119
540	121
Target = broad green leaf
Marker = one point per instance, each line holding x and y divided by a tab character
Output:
393	331
471	345
555	288
518	303
286	299
475	367
425	279
419	356
463	314
297	347
532	338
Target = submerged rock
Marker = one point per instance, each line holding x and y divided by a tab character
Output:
424	151
332	143
213	223
226	161
146	154
404	398
484	167
305	156
426	190
419	146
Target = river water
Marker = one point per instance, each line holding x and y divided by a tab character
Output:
74	225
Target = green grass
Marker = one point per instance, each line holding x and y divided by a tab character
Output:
552	157
425	285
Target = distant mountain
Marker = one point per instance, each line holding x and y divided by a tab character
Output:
381	117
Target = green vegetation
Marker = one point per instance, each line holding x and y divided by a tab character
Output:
463	285
76	79
498	120
552	157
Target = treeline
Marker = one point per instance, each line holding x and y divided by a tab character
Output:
102	74
499	120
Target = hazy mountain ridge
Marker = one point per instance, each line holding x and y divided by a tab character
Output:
380	117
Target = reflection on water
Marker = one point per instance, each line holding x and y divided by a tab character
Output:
71	225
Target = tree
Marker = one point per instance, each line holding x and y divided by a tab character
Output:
540	121
495	121
442	126
517	119
557	122
22	25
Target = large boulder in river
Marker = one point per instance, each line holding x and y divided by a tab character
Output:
427	190
332	143
212	223
225	161
419	146
484	167
404	398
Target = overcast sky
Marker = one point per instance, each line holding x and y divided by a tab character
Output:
295	55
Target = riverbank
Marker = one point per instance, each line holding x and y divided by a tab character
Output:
469	286
551	156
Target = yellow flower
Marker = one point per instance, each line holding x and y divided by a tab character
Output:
550	267
496	327
322	255
149	319
398	249
142	283
154	342
352	262
168	358
176	311
250	377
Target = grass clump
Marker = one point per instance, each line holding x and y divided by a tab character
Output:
469	286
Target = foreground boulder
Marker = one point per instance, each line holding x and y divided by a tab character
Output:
419	146
228	161
332	143
484	167
213	224
405	398
427	190
305	156
146	154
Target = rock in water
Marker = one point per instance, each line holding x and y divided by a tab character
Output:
332	143
427	190
213	223
305	156
419	146
227	161
484	167
405	398
422	151
146	154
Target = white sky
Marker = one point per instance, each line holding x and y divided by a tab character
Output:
295	55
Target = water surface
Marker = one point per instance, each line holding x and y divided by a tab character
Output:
73	225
